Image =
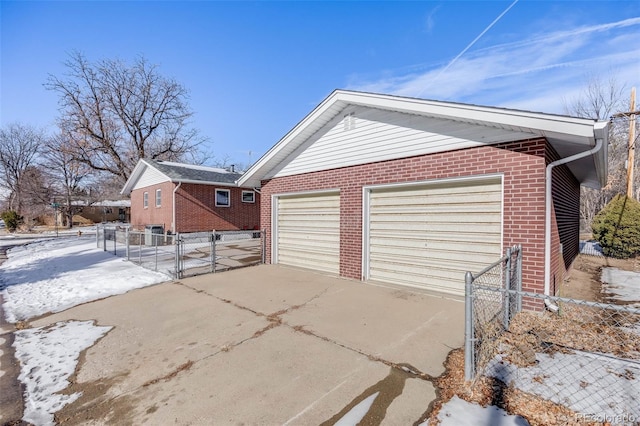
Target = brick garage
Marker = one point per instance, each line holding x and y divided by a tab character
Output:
350	127
205	198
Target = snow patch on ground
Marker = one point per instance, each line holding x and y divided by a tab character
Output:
54	275
458	412
587	383
623	286
48	356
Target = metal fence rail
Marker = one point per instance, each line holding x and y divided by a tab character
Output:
186	254
585	357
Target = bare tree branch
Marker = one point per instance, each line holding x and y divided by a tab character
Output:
117	114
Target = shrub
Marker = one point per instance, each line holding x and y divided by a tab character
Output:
11	220
617	227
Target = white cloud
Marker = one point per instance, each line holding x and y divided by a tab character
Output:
535	73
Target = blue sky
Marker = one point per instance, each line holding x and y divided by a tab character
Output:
255	69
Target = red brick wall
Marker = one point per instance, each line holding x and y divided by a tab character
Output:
152	215
195	209
522	163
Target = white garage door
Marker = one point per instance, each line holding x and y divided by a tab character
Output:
308	231
429	235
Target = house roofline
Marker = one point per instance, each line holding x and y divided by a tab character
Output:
559	128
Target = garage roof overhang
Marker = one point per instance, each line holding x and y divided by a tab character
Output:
568	135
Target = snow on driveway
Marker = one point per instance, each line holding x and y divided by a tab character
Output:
48	356
54	275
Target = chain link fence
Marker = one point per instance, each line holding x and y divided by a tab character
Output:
582	357
183	255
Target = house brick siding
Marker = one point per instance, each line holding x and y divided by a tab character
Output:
522	163
152	215
198	211
195	209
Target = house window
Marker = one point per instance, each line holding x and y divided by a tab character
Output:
248	197
158	197
223	198
145	200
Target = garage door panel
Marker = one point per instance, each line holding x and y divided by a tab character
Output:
308	231
428	236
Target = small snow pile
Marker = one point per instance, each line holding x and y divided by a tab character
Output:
54	275
357	413
48	356
591	248
458	412
623	286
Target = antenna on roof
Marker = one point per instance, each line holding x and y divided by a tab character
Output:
233	168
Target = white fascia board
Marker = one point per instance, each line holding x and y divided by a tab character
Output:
202	182
252	177
134	176
545	124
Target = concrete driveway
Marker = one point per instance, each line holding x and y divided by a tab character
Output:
261	345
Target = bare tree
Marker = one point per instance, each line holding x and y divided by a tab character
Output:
20	146
117	114
68	174
602	99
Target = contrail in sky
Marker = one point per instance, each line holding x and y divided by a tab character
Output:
469	46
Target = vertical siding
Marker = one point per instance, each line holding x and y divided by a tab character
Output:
565	219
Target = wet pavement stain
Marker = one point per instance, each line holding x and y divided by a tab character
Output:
388	389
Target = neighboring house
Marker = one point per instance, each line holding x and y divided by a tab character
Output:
417	192
104	211
187	198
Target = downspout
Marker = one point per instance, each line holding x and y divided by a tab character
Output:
173	213
547	217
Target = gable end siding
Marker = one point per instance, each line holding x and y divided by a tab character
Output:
361	135
150	177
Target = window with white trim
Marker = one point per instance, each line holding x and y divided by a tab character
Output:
145	199
223	198
248	197
158	197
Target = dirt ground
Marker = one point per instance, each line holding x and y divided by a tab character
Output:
583	279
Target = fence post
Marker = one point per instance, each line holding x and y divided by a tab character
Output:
126	243
177	262
104	239
519	279
507	286
263	235
213	251
469	355
97	236
155	240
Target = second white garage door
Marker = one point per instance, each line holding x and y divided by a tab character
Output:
308	231
428	235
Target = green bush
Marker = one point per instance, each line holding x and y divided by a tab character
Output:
11	220
617	227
